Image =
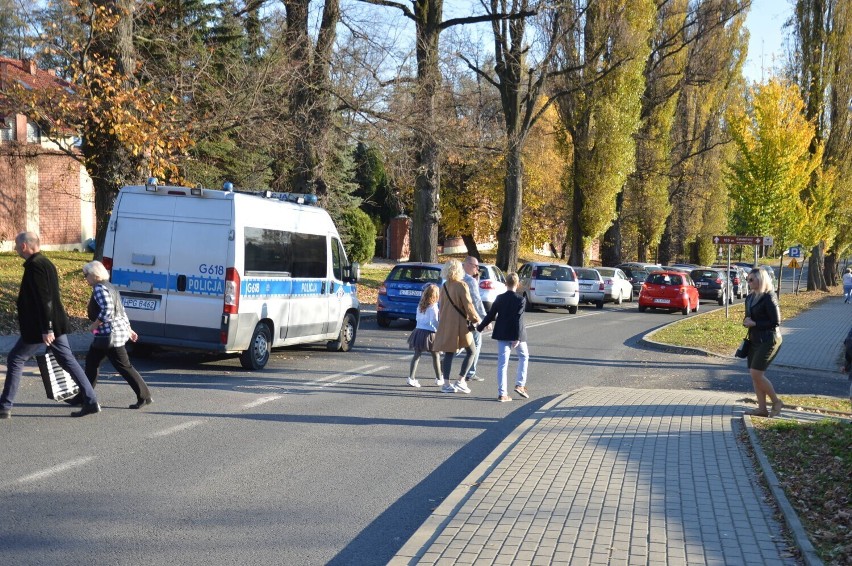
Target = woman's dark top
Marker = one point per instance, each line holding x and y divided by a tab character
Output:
766	313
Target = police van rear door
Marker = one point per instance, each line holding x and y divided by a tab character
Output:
202	242
138	242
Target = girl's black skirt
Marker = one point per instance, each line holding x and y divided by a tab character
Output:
421	340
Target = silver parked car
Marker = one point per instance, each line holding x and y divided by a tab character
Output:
492	283
591	286
549	285
617	286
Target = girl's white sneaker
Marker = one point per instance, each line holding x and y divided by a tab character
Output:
438	381
413	382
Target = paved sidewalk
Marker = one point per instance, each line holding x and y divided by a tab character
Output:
814	339
610	476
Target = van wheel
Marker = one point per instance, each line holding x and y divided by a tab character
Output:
572	310
258	353
599	305
382	320
348	330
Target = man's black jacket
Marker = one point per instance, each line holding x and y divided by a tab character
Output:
40	308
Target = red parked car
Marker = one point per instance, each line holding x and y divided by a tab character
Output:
671	290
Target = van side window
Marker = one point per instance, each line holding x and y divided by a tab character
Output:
287	253
268	250
337	256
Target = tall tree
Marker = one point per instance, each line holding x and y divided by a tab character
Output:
773	168
821	65
598	93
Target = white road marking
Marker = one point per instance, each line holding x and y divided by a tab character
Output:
351	377
55	470
334	375
176	428
261	401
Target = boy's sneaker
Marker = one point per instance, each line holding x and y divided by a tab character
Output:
504	398
475	378
522	391
413	382
439	381
448	388
462	386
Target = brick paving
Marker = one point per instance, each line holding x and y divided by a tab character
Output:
611	476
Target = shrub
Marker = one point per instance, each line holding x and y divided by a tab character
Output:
359	235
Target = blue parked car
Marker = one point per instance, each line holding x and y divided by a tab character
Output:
400	293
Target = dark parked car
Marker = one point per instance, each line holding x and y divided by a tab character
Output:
737	275
636	276
401	291
713	284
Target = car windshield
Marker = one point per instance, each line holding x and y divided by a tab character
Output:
639	275
553	273
415	274
607	272
665	279
705	274
587	274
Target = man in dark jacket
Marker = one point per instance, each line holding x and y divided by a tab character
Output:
43	322
510	333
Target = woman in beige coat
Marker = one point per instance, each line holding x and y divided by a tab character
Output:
456	309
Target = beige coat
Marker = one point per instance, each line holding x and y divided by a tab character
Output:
452	331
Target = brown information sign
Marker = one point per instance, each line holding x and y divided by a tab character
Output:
739	240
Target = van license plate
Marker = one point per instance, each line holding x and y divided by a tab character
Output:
410	292
142	304
555	300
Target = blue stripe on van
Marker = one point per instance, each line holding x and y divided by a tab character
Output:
123	277
254	287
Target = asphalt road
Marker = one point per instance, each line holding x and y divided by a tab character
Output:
319	458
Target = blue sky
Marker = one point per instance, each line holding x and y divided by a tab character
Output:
765	22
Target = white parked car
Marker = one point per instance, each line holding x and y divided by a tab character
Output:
492	283
549	285
591	286
617	286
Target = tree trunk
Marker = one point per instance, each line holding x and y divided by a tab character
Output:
816	281
577	256
509	234
470	244
611	248
830	272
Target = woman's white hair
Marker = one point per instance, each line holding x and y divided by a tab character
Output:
764	283
97	269
452	270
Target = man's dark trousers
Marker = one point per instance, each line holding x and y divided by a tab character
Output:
21	352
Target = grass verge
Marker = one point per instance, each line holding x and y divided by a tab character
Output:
715	333
813	462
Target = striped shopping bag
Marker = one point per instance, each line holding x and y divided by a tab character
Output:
57	382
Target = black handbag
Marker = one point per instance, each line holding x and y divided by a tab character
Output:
743	350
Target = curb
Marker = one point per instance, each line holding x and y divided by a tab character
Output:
418	544
648	340
809	554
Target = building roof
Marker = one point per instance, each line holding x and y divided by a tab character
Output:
26	73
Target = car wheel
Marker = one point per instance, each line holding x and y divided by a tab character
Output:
630	297
348	331
642	309
258	352
697	304
685	311
599	304
619	298
383	320
572	310
722	301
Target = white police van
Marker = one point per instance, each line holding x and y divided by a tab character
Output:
229	271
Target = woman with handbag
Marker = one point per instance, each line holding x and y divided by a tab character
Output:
456	320
763	317
111	329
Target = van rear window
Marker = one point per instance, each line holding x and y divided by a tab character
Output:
287	254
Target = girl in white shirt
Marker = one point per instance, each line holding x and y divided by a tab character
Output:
424	334
847	285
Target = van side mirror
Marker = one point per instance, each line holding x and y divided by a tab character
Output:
354	272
